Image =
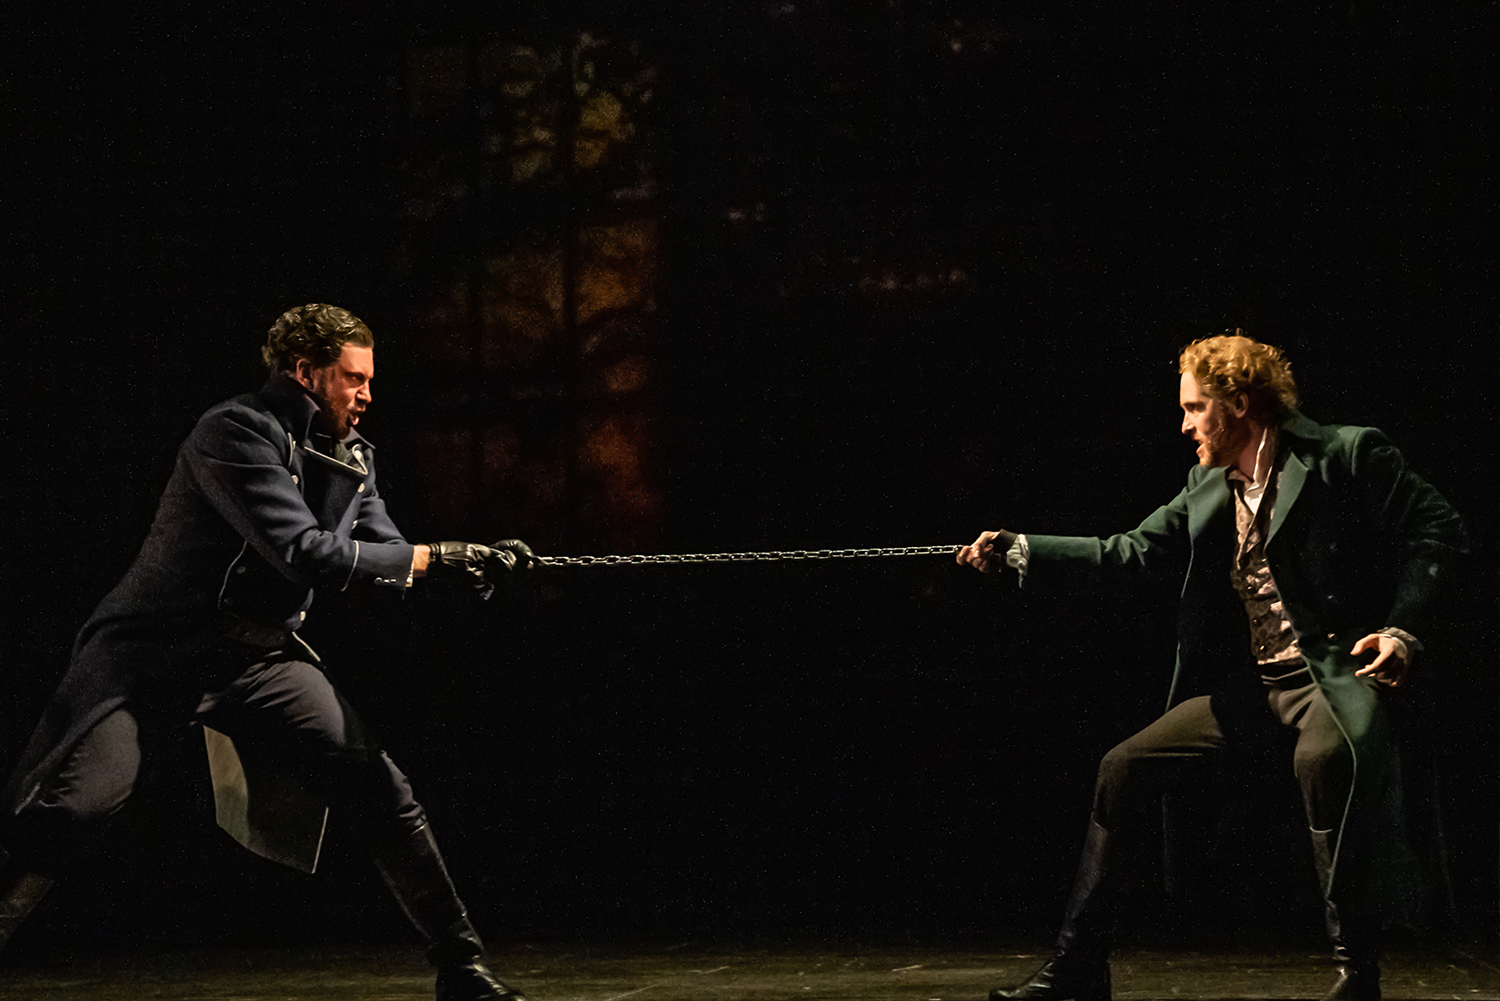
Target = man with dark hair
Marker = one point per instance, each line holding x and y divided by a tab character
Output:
272	496
317	332
1309	557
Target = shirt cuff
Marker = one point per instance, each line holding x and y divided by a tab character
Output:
1410	645
1018	555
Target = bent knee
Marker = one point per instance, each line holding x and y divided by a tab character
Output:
1116	769
100	774
1124	758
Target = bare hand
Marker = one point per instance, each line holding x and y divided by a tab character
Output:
1390	665
981	554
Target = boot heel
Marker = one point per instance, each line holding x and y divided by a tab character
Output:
19	895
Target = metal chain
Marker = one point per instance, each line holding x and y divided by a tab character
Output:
764	557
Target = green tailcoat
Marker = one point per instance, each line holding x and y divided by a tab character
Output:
1357	542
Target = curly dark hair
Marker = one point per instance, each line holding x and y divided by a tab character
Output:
1231	363
317	332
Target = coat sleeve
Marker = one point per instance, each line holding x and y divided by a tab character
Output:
1158	545
237	458
1427	534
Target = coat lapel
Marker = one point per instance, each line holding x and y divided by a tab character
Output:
330	486
1288	486
1206	500
1294	469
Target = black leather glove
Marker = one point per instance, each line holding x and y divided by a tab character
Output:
514	554
466	564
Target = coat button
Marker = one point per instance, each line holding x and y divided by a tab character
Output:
239	569
302	616
361	488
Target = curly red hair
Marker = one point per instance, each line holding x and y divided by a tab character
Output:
1229	364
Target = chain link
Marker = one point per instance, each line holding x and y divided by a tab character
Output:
763	557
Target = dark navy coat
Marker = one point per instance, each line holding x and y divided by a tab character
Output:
256	516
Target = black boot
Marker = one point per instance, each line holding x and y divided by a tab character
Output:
1356	982
1079	969
414	870
20	891
1355	938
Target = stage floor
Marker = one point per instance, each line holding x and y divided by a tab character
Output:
717	972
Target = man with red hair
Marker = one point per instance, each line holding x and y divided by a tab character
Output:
1309	557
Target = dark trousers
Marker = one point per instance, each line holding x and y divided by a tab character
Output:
282	713
1337	787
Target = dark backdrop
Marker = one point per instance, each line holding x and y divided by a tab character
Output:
919	269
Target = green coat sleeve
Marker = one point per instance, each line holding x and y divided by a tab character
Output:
1158	545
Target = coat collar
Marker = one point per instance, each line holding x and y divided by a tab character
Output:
1297	434
1207	498
299	413
1300	441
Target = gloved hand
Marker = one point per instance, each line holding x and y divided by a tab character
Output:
467	564
476	567
515	554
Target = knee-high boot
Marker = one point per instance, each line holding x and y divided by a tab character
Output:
414	870
1355	937
1079	968
20	891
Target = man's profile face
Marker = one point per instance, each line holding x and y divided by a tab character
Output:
1220	432
343	387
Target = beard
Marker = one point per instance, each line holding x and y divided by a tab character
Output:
337	416
1221	445
343	422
